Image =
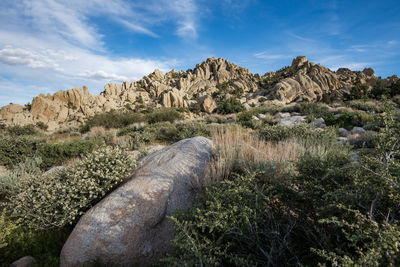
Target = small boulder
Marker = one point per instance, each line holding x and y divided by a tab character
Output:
261	116
254	117
319	123
26	261
357	130
56	169
281	115
230	120
290	121
343	132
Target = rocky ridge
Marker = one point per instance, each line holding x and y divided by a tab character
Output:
209	82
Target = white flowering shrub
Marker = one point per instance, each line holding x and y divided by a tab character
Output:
60	198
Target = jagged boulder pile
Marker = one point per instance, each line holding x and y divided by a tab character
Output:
303	80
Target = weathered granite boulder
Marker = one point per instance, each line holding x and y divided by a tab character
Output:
290	121
208	104
129	227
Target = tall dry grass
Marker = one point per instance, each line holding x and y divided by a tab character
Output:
236	148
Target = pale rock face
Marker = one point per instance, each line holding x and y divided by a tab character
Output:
208	105
174	98
292	120
129	227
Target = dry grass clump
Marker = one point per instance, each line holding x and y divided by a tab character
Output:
236	148
97	131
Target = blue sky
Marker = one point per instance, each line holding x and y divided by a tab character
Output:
51	45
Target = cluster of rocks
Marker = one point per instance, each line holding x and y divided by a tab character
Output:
305	81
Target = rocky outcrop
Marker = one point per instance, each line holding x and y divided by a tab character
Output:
310	82
174	99
130	226
302	81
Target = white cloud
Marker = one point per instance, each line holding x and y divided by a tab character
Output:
269	56
101	75
351	65
186	13
137	28
34	59
48	45
63	19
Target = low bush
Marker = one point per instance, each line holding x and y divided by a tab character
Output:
7	227
165	132
230	105
328	211
17	130
307	133
349	119
162	115
315	109
42	126
44	246
57	153
58	199
15	149
246	118
358	91
112	119
369	106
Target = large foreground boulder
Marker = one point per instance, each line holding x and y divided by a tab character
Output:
129	227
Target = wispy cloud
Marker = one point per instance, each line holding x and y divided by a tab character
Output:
185	10
137	28
268	56
299	37
101	75
56	45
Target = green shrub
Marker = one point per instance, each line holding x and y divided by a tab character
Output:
380	91
162	115
358	91
42	126
57	153
231	105
112	119
349	119
306	133
7	227
239	224
364	105
16	149
196	108
44	246
331	211
165	132
315	109
60	198
28	129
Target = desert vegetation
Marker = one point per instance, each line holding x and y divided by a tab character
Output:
298	200
307	183
274	193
